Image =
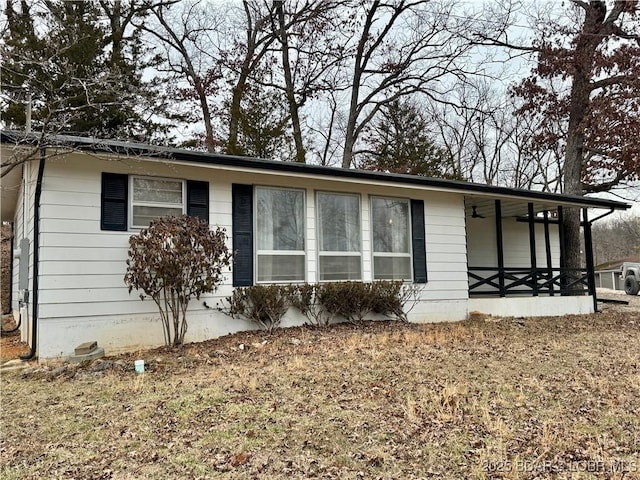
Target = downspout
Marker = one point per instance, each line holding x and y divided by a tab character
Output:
611	210
36	257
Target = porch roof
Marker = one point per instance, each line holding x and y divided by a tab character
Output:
480	195
482	206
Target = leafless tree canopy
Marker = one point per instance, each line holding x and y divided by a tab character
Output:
306	80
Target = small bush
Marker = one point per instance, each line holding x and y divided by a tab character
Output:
395	299
322	303
264	305
387	299
303	297
349	300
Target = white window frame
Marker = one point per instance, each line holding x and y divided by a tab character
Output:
375	254
133	202
329	253
257	253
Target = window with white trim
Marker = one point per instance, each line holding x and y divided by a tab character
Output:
391	238
153	197
339	237
280	234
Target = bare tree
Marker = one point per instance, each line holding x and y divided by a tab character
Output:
402	48
488	143
288	47
183	31
27	148
328	130
283	37
308	50
258	37
474	127
617	239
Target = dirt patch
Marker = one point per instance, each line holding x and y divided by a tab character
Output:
493	398
10	345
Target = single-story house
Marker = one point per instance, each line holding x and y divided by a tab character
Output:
471	247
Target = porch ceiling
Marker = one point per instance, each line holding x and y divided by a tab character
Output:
485	206
9	187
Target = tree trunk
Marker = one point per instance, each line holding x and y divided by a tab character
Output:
350	135
583	58
235	115
206	115
573	173
117	32
349	142
289	88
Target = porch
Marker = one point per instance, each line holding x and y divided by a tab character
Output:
515	250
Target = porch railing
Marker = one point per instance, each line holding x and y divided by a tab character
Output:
493	281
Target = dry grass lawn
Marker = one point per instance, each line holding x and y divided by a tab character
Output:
507	398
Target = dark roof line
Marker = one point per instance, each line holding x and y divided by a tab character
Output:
124	147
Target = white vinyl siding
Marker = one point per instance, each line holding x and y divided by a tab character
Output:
339	236
279	235
82	293
515	236
391	232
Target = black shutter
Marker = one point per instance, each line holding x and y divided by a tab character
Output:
198	199
113	202
418	242
242	231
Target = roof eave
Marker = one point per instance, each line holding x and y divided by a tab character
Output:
129	148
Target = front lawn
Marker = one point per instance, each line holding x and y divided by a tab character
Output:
491	398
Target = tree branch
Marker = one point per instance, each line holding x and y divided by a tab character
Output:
616	80
603	187
494	42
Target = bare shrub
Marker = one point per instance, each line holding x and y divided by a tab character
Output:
321	303
386	298
6	255
395	299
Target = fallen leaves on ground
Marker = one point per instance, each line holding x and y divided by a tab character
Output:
492	398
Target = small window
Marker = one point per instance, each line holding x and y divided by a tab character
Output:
390	227
155	197
280	240
339	239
